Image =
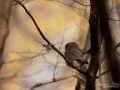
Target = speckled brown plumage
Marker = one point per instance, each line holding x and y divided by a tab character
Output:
74	55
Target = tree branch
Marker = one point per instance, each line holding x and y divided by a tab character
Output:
109	47
52	81
81	3
95	38
48	42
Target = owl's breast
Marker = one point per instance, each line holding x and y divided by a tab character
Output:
77	54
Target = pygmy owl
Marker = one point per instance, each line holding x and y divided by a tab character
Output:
74	55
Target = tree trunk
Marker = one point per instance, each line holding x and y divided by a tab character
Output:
95	47
109	48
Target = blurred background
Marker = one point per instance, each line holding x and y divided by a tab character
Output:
27	62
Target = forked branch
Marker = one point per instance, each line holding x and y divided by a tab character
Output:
48	42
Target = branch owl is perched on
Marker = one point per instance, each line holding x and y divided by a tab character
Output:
74	55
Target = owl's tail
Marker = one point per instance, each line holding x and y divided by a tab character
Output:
86	56
85	62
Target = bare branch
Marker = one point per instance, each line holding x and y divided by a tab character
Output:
32	55
105	72
59	50
64	3
79	26
81	3
52	81
113	19
118	45
109	49
116	28
72	6
62	78
25	1
111	8
48	42
111	12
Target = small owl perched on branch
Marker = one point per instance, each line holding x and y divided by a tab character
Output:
75	56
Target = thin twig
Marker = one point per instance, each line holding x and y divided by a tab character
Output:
116	28
26	1
113	19
66	4
52	81
59	50
85	11
21	2
61	78
81	3
118	45
79	26
111	8
48	42
34	55
105	72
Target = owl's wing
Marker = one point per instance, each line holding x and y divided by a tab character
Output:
77	53
71	61
69	57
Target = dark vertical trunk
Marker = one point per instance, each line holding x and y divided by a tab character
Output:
105	31
95	47
98	11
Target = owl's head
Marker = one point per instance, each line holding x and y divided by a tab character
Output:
71	45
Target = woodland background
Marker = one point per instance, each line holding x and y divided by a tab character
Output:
27	61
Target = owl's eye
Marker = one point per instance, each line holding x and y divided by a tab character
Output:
70	47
